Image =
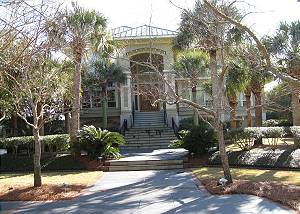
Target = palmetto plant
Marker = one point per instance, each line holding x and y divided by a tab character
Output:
100	143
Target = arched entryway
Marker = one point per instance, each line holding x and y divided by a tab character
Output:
146	80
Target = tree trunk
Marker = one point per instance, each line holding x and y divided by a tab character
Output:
75	120
41	120
218	96
233	109
194	99
67	118
37	147
104	108
14	122
41	124
295	106
67	122
256	89
248	106
37	159
258	109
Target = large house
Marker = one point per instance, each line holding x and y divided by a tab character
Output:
124	102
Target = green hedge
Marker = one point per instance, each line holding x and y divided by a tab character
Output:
12	163
244	137
277	123
57	143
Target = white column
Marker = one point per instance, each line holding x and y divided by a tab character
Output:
126	104
171	109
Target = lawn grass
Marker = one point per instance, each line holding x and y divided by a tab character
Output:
53	178
257	175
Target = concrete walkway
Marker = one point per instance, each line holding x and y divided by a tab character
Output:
167	191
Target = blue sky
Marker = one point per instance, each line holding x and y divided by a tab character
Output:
162	13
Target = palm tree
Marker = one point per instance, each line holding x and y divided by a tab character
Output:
285	45
203	29
84	30
192	64
236	82
103	72
257	77
248	93
67	67
256	88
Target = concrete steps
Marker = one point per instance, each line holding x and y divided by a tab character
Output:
158	159
149	119
148	132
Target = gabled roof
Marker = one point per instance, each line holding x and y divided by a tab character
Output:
144	31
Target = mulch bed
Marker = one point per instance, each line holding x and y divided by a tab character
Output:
44	193
285	194
192	162
91	165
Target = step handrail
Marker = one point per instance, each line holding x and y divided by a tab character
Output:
175	127
124	127
133	114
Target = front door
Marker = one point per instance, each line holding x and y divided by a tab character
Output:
148	95
146	104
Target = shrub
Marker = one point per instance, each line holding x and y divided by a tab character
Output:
277	123
198	140
100	143
186	124
270	123
179	143
12	163
244	138
295	131
58	143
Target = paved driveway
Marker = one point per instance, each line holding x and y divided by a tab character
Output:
147	192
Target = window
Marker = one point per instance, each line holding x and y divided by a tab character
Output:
93	98
86	100
242	100
208	103
200	96
96	99
111	98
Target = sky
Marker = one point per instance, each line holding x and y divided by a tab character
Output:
161	13
264	19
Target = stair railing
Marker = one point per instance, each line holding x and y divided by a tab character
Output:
124	127
175	127
165	115
133	114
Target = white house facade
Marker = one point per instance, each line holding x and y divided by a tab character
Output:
153	45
